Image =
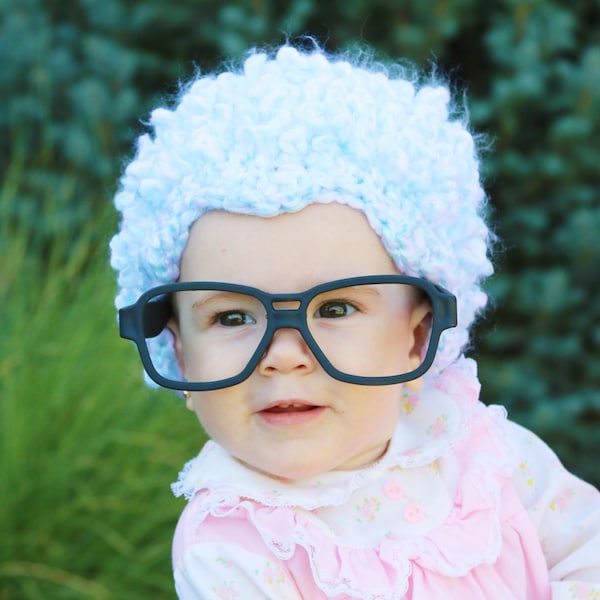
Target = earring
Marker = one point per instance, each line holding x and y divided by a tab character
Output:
186	394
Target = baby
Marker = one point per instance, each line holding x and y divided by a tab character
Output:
300	255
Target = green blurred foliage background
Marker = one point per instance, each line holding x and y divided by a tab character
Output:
86	452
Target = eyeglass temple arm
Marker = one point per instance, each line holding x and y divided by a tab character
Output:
155	316
448	318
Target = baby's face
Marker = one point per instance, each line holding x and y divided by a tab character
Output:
290	418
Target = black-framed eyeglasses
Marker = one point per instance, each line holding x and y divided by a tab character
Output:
369	330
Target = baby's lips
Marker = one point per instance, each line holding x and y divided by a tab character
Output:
289	406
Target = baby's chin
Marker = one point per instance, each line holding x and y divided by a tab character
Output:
304	470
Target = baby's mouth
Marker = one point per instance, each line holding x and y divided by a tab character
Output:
291	413
291	407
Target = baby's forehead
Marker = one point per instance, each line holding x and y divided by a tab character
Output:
291	251
321	216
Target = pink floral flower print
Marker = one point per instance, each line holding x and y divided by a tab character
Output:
585	590
227	591
410	403
271	573
526	473
227	564
562	501
439	426
368	509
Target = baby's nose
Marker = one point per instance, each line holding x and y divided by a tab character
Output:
287	352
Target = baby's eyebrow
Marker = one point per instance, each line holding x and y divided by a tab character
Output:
363	290
207	296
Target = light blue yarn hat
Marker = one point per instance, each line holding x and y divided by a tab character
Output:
295	128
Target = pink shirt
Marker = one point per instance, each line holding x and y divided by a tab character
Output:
464	504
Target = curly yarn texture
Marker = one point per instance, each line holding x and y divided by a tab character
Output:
294	128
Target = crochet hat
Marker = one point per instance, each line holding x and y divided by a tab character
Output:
290	129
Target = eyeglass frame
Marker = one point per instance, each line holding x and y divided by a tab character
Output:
146	319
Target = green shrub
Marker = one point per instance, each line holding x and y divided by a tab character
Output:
86	452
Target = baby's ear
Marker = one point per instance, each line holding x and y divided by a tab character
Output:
420	331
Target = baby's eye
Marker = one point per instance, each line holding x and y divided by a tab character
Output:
335	310
234	318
